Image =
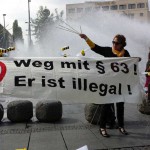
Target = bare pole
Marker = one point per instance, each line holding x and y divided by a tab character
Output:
29	25
4	32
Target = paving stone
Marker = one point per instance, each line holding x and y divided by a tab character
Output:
14	141
73	132
117	140
11	126
52	140
78	138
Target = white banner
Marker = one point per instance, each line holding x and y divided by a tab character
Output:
71	79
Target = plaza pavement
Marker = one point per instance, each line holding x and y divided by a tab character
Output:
73	132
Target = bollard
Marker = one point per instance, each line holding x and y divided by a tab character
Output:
1	112
20	111
144	108
48	111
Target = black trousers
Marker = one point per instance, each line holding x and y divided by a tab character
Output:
105	109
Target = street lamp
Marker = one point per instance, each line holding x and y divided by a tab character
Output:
4	33
29	25
4	19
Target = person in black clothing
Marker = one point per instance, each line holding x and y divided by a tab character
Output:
117	50
147	70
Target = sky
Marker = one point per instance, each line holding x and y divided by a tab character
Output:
18	9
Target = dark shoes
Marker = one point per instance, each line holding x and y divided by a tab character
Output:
103	132
123	131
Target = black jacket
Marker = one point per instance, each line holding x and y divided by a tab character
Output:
107	51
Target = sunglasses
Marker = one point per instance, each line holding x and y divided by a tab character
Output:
116	43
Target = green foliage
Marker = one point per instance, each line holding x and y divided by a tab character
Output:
5	38
17	32
43	22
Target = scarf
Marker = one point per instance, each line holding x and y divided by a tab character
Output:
118	53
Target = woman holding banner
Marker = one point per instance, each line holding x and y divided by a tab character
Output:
117	50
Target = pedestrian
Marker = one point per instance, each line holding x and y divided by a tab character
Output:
147	82
117	50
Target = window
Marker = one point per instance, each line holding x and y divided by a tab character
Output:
122	7
131	6
79	10
105	8
114	7
71	10
140	5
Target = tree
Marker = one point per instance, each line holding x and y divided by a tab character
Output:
6	39
17	32
41	25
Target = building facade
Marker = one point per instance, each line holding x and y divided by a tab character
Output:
134	9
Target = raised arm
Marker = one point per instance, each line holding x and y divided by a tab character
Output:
88	41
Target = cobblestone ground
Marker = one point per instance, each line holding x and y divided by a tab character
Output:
133	148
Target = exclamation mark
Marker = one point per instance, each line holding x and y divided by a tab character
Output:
129	89
135	69
74	83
